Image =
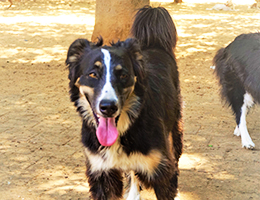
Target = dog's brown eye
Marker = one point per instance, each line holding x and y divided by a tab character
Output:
93	75
123	76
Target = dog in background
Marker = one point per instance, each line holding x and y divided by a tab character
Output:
128	95
238	69
228	6
10	1
256	5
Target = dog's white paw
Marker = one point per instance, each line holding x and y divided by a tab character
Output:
248	144
237	132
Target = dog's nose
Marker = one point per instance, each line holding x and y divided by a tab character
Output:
108	107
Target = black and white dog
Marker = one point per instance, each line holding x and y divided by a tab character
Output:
238	70
128	96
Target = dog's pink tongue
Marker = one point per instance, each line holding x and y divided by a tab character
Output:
107	132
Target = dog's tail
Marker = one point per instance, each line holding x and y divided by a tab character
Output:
154	27
222	69
220	62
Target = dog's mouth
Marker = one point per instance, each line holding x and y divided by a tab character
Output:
106	131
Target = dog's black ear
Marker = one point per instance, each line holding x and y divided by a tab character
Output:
134	50
75	52
74	55
133	47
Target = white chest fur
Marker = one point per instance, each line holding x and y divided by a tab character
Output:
115	158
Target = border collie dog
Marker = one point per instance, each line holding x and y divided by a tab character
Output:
238	70
128	96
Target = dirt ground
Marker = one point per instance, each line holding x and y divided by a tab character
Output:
40	151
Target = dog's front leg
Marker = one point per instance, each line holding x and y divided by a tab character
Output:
167	190
105	185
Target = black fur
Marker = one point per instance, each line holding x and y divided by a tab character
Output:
154	111
107	185
152	33
238	71
240	59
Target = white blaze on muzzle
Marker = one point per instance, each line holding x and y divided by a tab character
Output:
107	91
107	132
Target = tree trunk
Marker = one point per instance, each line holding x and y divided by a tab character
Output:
177	1
113	18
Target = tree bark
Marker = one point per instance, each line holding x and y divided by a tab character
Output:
113	18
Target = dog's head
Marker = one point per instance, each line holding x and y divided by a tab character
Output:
103	80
